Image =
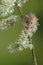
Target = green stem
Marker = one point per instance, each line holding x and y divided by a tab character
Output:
19	10
33	52
34	57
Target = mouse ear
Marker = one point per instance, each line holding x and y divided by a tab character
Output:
6	23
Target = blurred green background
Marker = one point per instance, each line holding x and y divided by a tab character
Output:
11	35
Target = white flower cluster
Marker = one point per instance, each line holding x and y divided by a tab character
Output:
7	6
6	23
20	2
6	9
21	44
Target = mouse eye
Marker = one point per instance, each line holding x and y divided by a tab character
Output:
27	22
31	22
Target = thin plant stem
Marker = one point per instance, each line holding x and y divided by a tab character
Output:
34	56
33	53
19	10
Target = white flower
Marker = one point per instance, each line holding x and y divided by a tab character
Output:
11	48
31	46
6	23
22	43
6	11
9	3
20	49
7	7
14	0
20	2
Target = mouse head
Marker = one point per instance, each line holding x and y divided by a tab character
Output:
29	20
